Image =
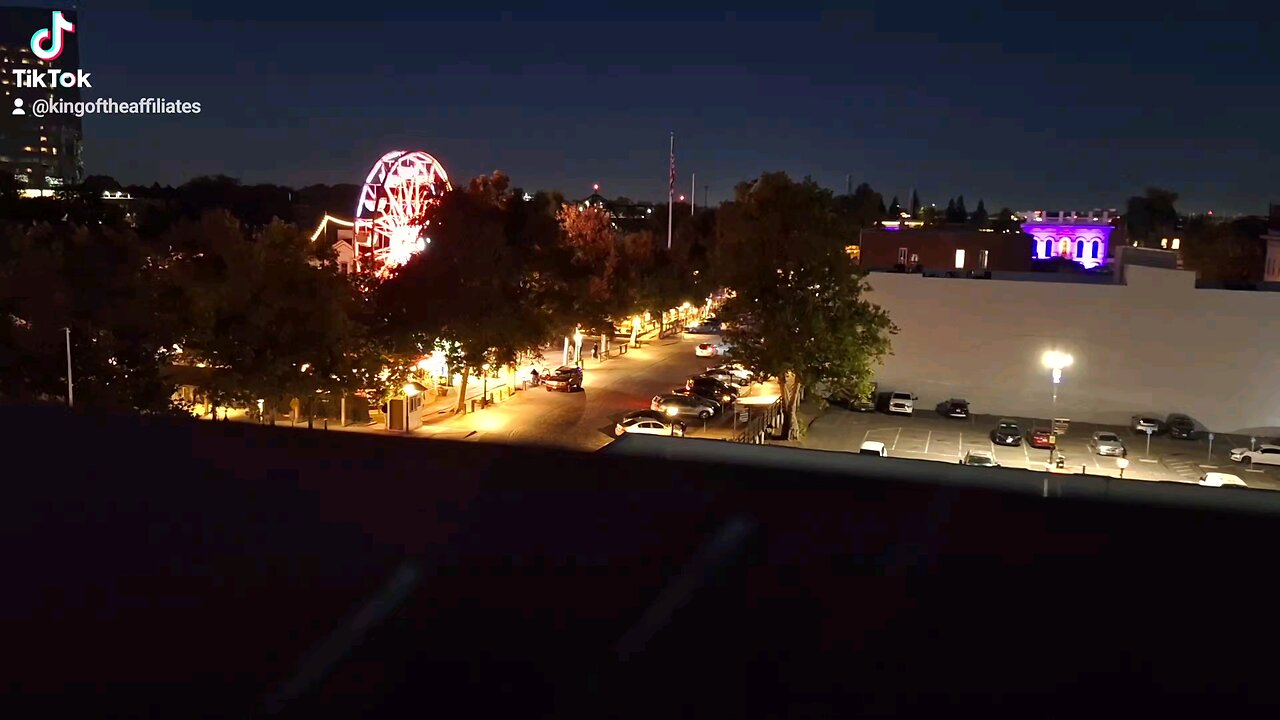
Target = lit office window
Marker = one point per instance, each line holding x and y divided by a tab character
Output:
960	259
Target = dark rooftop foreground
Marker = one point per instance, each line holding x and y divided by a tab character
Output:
183	569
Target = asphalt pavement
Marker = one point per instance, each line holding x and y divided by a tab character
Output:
927	435
585	419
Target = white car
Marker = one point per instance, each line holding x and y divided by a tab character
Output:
1264	455
710	349
1217	479
979	458
872	447
741	374
649	426
902	403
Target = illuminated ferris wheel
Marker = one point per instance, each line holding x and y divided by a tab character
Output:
390	220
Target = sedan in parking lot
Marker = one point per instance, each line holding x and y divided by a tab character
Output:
957	408
710	387
979	458
674	405
1007	432
1107	443
1264	455
642	425
1041	437
874	448
1145	424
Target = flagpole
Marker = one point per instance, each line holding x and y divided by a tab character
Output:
671	188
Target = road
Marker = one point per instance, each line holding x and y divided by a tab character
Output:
929	436
585	420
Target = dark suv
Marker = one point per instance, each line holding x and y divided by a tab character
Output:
1181	427
566	378
713	388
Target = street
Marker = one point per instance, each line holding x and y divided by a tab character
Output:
585	420
929	436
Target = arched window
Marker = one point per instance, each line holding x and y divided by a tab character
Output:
1079	248
1097	248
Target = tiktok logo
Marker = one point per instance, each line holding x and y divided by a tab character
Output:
53	36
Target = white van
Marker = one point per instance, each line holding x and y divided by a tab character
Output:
871	447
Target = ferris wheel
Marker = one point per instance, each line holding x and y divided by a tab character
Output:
391	216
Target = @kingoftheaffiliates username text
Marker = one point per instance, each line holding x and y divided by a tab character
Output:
42	107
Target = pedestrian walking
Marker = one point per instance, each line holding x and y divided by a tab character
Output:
595	351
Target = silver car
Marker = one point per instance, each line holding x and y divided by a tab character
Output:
1107	443
682	406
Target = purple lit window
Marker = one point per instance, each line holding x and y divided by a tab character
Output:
1079	248
1097	246
1061	239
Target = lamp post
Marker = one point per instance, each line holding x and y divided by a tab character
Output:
71	400
635	330
577	346
1056	362
484	390
410	391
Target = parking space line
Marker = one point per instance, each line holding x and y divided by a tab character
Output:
866	435
926	441
1025	453
895	439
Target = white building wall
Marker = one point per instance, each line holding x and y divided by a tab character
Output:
1153	345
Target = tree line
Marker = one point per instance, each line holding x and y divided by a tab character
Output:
202	287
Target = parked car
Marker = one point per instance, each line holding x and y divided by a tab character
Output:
661	425
1041	437
1217	479
711	349
674	405
1264	455
1143	423
709	326
979	458
729	378
737	370
1007	432
902	403
1107	443
957	408
715	405
710	387
566	378
1180	426
872	447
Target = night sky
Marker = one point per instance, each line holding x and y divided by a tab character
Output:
1050	108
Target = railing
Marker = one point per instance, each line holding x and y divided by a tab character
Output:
761	422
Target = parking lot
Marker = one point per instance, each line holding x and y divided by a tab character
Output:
927	435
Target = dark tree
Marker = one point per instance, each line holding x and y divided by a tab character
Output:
962	215
980	215
895	209
915	204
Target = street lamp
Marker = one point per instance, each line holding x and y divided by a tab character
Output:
635	329
484	390
577	345
1056	362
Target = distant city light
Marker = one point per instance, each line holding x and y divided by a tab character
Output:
596	187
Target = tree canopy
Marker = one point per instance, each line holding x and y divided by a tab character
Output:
799	311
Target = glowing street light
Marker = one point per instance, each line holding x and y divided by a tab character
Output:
411	390
577	345
1056	362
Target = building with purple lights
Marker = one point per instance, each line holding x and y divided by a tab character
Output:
1082	237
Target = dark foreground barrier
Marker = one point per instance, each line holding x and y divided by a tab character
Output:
196	569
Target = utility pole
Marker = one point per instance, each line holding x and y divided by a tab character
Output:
71	400
671	191
693	194
705	189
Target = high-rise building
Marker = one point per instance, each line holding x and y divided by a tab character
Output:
41	153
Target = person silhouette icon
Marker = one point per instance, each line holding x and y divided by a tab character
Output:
17	107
